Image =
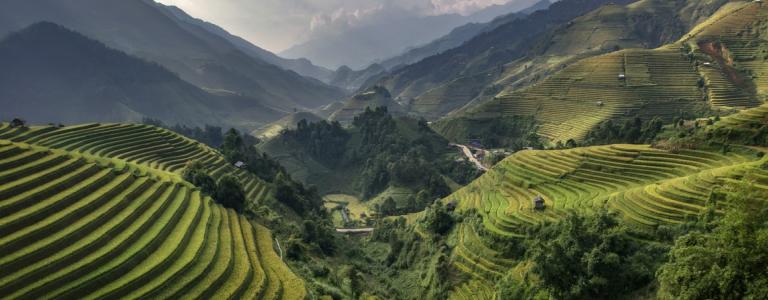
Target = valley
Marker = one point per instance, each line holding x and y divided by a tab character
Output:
576	149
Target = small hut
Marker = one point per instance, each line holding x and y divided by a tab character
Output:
18	123
622	76
239	165
451	206
538	203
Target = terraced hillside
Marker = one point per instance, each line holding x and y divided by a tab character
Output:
508	59
148	149
77	227
735	41
646	83
663	82
649	187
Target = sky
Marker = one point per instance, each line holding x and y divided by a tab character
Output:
276	25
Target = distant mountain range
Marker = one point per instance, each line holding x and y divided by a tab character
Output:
388	36
152	32
51	74
457	37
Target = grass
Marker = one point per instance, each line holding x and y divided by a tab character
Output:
76	227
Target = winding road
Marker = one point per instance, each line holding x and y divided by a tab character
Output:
468	153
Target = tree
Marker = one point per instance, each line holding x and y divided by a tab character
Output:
195	173
233	146
588	257
230	193
726	262
389	207
438	219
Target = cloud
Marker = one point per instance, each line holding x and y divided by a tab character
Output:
463	7
342	18
279	24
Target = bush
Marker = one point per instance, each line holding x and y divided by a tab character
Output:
230	193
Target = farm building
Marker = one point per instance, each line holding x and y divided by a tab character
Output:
538	203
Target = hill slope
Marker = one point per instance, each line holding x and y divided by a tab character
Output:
52	74
143	29
368	99
456	37
287	122
648	187
674	79
301	66
147	149
81	224
522	51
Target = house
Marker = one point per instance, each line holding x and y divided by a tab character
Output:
18	123
622	76
240	165
538	203
707	64
600	103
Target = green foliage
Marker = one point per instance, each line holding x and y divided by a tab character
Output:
438	219
320	233
635	131
728	261
517	132
196	174
230	193
296	196
324	140
588	257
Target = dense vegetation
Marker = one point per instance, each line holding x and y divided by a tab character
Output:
382	152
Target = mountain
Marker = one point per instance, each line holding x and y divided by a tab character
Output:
288	122
369	99
457	37
518	53
143	29
300	65
52	74
386	33
685	78
352	80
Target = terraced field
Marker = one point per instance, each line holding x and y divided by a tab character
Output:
736	40
729	68
148	149
73	227
649	187
568	104
748	118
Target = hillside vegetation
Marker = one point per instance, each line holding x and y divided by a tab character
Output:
521	52
680	79
87	217
650	189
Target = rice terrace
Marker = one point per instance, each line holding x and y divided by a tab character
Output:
456	149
